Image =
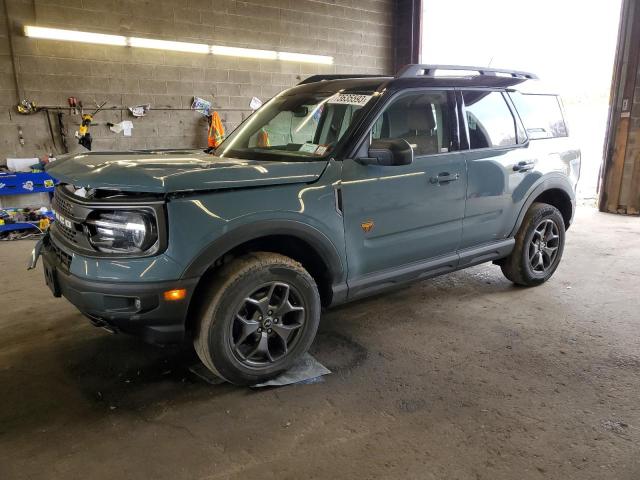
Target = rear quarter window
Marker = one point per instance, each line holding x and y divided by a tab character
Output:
541	115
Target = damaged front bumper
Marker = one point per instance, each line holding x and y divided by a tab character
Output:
136	308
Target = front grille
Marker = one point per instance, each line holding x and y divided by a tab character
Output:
63	257
64	207
66	232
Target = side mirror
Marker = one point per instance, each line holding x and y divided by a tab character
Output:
389	152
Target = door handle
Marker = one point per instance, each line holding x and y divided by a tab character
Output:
524	166
444	177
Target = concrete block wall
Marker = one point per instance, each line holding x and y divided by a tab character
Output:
357	33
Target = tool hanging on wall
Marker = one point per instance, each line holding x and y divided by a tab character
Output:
215	136
25	107
63	133
83	135
73	105
53	138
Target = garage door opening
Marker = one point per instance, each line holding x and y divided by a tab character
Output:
570	45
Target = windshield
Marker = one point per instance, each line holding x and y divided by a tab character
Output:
299	126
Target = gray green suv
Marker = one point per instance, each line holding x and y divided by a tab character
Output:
338	188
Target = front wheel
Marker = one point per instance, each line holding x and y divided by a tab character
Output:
261	313
539	246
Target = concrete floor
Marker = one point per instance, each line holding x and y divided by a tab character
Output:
460	377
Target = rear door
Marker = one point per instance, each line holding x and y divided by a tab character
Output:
500	166
396	216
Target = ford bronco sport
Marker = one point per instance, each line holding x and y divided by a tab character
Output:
335	189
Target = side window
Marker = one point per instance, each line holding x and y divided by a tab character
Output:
423	119
541	115
489	119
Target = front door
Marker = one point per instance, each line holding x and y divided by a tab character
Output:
400	217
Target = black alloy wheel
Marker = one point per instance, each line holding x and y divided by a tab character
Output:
544	244
267	324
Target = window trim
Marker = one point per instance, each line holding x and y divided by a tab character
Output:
516	117
465	125
382	106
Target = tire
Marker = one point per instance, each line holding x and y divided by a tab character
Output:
259	314
539	239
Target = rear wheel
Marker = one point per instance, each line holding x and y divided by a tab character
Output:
539	246
261	314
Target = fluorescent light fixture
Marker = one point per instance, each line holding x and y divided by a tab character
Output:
74	36
244	52
303	57
168	45
100	38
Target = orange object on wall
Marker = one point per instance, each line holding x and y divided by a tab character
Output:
263	139
216	131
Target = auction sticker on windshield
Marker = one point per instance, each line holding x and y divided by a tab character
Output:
350	99
308	147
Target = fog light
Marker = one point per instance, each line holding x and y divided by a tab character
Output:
177	294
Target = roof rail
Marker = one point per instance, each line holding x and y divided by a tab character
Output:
319	78
416	69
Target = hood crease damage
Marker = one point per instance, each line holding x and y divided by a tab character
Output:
177	171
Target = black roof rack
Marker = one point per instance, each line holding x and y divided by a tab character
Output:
417	70
319	78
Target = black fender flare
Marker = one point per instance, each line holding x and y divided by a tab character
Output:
549	182
251	231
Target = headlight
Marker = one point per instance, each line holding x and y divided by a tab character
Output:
122	231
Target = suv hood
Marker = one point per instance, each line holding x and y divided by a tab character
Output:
176	171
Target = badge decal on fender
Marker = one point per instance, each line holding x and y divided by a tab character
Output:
367	226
